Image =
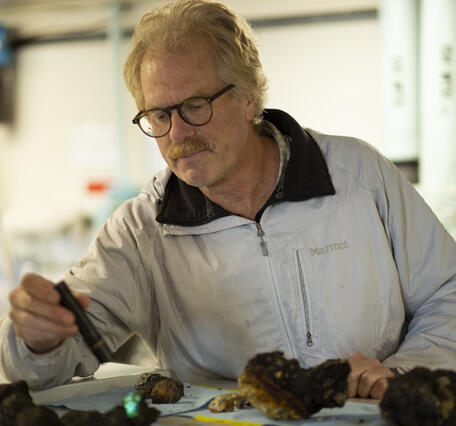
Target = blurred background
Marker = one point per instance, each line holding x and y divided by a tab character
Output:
381	70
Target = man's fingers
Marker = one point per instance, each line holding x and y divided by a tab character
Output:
379	389
358	365
26	323
83	300
40	288
39	334
37	316
38	296
373	381
352	386
368	377
22	301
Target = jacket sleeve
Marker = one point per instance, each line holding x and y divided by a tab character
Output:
113	275
425	256
58	366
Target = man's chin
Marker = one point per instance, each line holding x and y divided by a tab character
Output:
193	180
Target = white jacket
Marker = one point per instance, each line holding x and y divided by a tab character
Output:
345	257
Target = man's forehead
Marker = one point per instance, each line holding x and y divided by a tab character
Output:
196	54
176	68
172	77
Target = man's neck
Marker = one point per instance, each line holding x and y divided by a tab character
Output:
254	183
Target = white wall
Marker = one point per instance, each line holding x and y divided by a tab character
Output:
64	133
326	75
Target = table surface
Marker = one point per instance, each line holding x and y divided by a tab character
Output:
113	375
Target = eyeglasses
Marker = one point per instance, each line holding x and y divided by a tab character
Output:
196	111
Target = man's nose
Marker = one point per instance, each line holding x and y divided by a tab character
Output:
180	129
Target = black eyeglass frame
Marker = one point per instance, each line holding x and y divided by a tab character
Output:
178	107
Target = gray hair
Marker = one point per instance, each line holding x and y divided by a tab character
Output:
228	36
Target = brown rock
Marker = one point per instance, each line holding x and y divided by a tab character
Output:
227	402
161	389
281	389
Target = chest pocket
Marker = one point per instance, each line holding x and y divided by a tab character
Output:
349	276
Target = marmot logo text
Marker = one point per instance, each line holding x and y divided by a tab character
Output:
317	251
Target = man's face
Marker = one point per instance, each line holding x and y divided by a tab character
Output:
211	154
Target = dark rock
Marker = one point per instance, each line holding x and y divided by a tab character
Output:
37	415
12	405
281	389
421	397
160	389
84	418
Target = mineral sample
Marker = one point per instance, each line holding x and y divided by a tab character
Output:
160	389
421	397
118	417
84	418
136	409
17	409
134	412
146	416
17	387
281	389
14	398
37	415
227	402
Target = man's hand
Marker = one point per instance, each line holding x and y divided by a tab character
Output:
368	377
37	315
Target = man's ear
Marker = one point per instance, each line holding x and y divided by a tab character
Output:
250	111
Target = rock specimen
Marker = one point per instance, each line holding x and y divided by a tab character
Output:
281	389
17	409
85	418
160	389
227	402
14	398
421	397
134	412
37	415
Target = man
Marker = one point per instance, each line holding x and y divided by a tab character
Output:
259	236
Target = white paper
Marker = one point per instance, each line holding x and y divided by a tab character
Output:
194	397
195	402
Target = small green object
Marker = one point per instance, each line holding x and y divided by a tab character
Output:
131	403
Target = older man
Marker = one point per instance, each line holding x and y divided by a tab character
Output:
260	235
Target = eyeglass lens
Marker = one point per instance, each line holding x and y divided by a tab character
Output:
195	111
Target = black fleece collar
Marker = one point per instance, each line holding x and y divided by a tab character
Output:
306	176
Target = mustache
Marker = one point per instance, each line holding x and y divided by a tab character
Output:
187	148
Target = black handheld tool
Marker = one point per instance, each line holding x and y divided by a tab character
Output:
86	328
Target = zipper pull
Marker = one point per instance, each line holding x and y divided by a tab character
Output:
309	339
260	233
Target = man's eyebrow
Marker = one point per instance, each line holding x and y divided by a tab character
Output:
165	107
152	107
148	107
198	94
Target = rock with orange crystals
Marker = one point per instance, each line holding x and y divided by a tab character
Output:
281	389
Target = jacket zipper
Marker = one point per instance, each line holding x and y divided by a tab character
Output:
263	245
306	302
265	251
